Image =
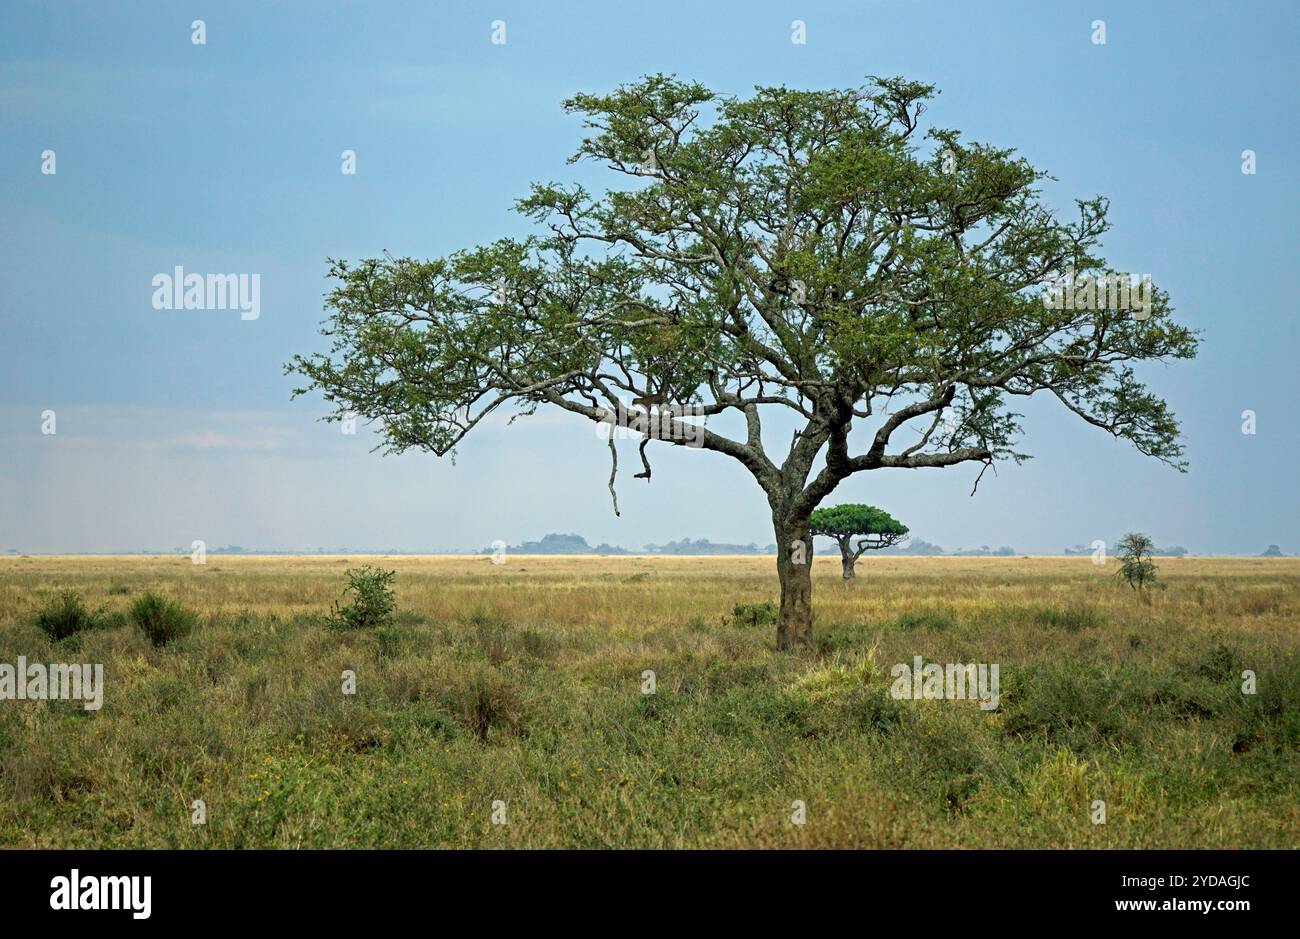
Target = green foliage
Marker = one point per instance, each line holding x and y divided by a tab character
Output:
1076	707
874	710
1219	661
66	616
924	619
249	708
486	700
870	527
811	251
754	614
162	620
373	601
1136	568
854	519
1270	718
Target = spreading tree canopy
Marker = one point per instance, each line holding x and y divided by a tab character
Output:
814	253
856	529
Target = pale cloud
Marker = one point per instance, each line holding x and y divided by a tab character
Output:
135	428
213	440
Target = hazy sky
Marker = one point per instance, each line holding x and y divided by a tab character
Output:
176	425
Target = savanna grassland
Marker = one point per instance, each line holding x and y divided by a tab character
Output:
522	682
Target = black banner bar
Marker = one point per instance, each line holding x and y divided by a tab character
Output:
337	888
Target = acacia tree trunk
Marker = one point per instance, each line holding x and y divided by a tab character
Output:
847	558
794	568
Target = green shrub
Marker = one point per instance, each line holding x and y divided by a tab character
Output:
162	620
1217	662
874	710
753	713
1135	565
1076	707
843	637
65	617
482	699
1173	695
373	600
1271	716
110	619
952	766
926	619
754	614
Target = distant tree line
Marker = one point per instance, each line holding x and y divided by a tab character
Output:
555	543
1177	551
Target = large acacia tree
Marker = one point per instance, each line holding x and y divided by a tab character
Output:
814	253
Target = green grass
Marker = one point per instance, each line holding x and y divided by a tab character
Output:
1103	697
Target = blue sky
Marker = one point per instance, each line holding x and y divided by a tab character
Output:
176	425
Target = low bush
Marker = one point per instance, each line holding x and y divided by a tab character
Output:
1075	707
754	614
373	600
66	616
925	619
162	620
1270	718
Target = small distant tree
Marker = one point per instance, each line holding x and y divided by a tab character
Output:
373	601
1135	564
1272	551
870	527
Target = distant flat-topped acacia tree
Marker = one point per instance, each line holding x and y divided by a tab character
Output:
856	529
805	252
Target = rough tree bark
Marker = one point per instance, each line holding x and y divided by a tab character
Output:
794	569
847	559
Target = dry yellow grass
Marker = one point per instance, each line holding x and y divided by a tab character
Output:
648	591
523	681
